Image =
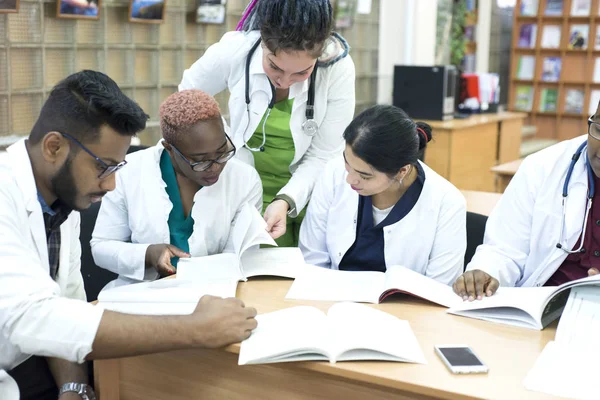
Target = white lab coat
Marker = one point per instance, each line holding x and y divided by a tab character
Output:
519	246
38	315
135	215
8	387
431	239
223	67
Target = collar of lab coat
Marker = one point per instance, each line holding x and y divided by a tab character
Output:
259	77
20	163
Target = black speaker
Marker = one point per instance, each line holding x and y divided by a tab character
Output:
425	92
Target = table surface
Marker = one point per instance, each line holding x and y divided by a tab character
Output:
474	120
509	168
509	352
481	202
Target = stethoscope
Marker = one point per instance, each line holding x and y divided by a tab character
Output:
590	196
310	126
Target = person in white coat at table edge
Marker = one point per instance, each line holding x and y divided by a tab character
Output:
191	185
545	230
291	82
379	206
47	328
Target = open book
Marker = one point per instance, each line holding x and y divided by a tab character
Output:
163	297
567	366
316	283
349	331
247	259
527	307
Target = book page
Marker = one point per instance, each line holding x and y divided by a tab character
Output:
250	229
531	300
316	283
275	261
408	281
217	267
579	325
560	371
360	332
285	334
168	291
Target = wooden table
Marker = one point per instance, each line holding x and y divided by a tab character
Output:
504	173
214	374
464	150
481	202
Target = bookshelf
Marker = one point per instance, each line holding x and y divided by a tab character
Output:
563	84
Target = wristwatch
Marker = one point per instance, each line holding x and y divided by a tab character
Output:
82	389
289	201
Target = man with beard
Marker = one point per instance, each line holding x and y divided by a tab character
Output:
69	161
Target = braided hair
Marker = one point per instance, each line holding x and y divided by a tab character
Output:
290	25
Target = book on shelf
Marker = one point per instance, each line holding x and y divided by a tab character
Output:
527	36
551	69
578	37
347	332
594	100
548	100
554	8
574	101
524	98
551	37
526	67
597	41
529	8
580	8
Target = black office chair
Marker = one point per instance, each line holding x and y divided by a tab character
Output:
475	230
94	277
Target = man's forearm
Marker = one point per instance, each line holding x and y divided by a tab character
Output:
121	335
65	371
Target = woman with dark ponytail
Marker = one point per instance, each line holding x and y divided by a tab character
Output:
291	85
380	206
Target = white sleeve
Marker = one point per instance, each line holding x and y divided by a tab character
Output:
75	288
33	315
211	71
506	242
328	143
313	231
447	257
111	240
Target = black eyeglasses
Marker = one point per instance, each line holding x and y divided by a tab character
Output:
204	165
107	170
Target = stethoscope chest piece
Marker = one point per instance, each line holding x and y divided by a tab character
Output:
310	127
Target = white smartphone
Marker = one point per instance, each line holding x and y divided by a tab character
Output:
460	359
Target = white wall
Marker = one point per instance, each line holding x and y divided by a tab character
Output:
406	37
482	35
407	30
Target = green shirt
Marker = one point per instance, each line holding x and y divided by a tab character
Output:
180	226
273	164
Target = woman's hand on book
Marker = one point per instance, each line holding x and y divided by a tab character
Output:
158	256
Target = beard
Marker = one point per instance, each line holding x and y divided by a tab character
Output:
63	185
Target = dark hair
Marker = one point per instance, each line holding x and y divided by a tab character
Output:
82	103
386	138
296	25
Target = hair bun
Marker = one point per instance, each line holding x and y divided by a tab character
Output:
424	133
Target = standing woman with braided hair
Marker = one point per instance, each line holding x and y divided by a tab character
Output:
291	84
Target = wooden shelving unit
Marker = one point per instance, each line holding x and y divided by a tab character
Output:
577	69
